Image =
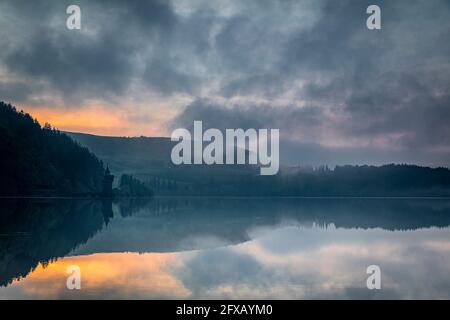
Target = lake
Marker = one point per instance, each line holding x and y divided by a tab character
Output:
223	248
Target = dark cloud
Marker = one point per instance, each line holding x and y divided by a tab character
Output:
215	115
300	128
389	89
73	67
339	83
15	91
99	61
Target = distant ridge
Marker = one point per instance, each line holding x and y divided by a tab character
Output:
128	154
143	155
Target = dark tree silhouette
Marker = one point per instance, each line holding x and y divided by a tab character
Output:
36	161
132	187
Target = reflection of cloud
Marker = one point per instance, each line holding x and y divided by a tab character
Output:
438	245
324	263
112	276
211	272
286	263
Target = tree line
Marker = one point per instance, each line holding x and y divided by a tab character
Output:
39	160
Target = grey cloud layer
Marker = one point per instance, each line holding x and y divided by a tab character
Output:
309	67
97	62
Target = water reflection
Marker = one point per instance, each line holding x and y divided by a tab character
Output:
225	248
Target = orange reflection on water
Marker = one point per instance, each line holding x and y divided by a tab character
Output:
109	275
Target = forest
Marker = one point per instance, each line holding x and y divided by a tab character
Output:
392	180
39	160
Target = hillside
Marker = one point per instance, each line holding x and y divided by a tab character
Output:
149	160
123	154
39	160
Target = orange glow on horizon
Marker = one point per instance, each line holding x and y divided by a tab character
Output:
98	120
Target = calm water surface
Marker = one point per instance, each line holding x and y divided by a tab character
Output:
208	248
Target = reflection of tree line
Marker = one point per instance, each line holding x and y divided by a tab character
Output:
389	214
179	224
35	232
42	231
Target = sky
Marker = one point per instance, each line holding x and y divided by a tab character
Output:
338	92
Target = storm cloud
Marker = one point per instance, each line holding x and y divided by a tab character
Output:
335	89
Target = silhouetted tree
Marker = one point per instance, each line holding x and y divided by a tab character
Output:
132	187
34	159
